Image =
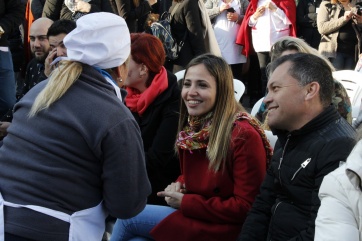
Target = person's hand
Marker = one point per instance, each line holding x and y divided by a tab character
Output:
358	18
176	187
223	7
82	6
259	12
47	67
233	17
348	15
271	6
152	2
4	129
173	194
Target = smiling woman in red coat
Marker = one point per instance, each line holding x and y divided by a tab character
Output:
223	154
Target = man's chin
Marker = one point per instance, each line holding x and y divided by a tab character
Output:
40	58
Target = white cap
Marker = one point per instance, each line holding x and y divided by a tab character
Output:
100	39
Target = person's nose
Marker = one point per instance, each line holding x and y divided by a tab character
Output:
268	99
192	90
37	42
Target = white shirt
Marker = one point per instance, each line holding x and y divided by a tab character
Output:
225	33
268	28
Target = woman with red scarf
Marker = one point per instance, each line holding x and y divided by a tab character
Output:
223	154
154	99
264	23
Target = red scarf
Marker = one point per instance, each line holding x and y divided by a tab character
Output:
138	102
244	34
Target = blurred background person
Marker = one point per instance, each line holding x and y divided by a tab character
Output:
74	153
39	69
338	22
56	34
135	12
187	26
307	22
265	22
154	99
162	6
36	7
39	47
74	9
223	154
12	14
227	16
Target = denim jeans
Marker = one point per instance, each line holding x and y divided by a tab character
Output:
138	228
343	61
7	82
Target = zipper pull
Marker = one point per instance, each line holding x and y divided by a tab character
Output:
303	165
306	162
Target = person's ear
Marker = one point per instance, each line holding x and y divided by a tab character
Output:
312	90
121	74
144	70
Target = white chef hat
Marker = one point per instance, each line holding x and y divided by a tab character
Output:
100	39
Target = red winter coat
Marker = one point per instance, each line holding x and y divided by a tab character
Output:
216	204
244	35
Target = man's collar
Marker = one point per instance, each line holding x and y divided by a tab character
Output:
328	115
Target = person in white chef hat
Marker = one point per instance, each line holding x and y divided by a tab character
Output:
74	153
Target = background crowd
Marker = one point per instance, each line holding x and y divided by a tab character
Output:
100	140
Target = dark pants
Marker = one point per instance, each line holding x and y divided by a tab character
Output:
237	70
11	237
264	60
343	61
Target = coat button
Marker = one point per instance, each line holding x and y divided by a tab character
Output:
216	190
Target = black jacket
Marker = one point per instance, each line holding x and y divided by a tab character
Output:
12	14
159	129
307	22
135	16
56	9
187	20
288	203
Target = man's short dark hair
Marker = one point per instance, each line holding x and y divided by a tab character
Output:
308	68
61	26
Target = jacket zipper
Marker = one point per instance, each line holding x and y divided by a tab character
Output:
276	207
303	165
281	158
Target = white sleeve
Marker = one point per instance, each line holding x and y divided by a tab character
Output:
282	16
336	220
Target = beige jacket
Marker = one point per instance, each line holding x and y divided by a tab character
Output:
329	24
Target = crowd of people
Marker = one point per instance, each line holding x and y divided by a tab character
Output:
100	141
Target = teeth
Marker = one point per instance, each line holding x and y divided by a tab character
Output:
194	102
271	109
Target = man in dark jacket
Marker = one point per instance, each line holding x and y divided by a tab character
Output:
312	141
12	13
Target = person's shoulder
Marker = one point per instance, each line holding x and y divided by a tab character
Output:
335	181
32	63
340	129
245	126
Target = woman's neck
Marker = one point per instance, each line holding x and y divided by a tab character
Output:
346	5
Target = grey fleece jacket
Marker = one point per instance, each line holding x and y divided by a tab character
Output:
84	148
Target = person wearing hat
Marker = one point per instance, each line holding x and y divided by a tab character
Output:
74	154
